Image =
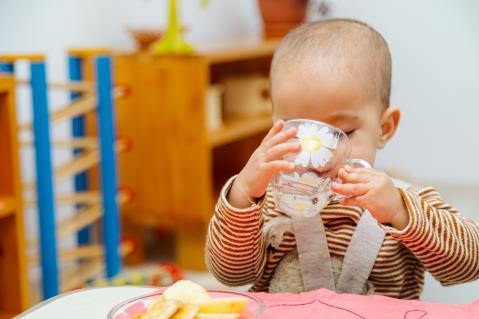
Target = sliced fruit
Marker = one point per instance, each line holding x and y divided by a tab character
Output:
162	309
187	311
217	316
224	305
186	291
139	315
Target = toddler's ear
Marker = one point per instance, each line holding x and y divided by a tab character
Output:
389	124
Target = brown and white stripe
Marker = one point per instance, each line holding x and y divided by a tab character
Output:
438	239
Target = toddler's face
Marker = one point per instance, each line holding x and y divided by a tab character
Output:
337	100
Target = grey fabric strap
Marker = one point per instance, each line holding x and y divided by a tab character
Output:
315	261
313	252
360	255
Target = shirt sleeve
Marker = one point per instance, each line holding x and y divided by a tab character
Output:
445	242
235	247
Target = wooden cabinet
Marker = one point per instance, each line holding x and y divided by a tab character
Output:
13	274
177	165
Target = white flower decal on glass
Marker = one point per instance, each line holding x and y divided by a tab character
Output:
315	145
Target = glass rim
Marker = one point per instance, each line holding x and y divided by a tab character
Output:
334	128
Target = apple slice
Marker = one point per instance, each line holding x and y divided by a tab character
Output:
187	311
227	305
162	309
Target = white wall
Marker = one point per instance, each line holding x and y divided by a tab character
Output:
435	48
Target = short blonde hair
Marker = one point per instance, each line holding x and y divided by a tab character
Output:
340	45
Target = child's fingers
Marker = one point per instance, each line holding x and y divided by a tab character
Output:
350	189
280	137
352	201
274	167
277	127
364	170
279	150
348	168
358	201
353	176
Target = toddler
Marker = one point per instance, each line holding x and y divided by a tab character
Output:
339	72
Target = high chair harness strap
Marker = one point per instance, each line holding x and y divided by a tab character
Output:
360	255
315	261
313	252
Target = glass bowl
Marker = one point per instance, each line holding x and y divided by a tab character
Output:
128	308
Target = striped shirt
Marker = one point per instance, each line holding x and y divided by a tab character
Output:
437	239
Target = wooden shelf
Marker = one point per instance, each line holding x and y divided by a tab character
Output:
7	206
13	271
177	185
239	51
12	58
7	315
6	84
238	128
84	52
76	277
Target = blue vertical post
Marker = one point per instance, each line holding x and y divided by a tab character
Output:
7	68
108	167
44	176
78	130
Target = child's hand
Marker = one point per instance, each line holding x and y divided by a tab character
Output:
375	191
265	162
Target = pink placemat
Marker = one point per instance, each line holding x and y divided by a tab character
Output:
323	303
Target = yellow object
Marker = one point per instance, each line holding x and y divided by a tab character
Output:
173	41
162	309
224	305
187	300
187	292
187	311
217	316
311	143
